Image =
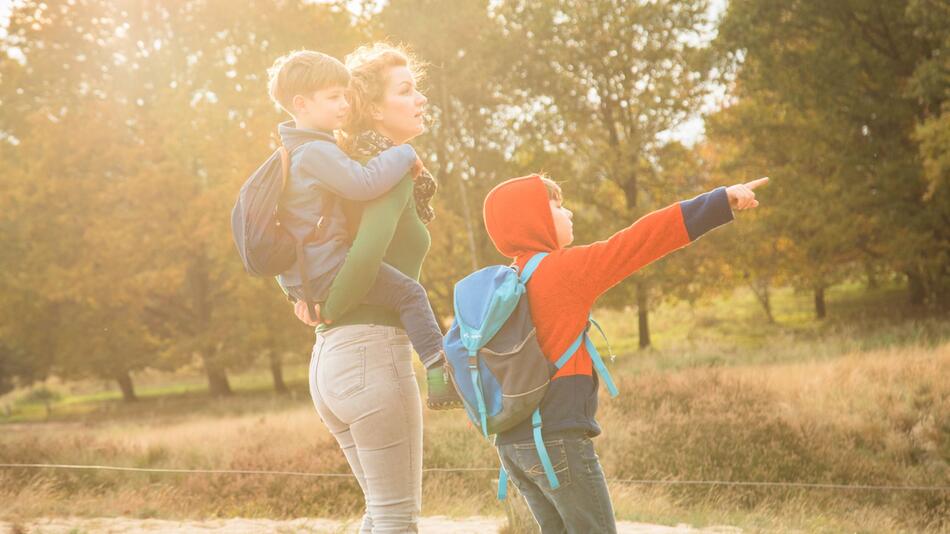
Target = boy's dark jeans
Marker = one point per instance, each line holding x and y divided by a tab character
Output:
581	504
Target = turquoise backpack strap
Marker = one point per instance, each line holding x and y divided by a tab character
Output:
569	353
482	409
610	351
530	267
600	367
536	417
598	361
602	371
502	483
542	450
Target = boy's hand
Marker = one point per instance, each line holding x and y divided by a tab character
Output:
417	168
741	196
302	313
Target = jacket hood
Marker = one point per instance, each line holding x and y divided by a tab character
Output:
518	217
292	137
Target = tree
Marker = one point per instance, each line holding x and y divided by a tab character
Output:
126	225
614	75
810	244
842	67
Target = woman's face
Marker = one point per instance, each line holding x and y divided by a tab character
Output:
400	114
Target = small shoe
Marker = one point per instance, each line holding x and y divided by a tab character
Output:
442	394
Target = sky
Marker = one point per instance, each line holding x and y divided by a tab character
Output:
4	15
688	133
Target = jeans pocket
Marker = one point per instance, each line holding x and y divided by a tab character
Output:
402	357
344	372
530	462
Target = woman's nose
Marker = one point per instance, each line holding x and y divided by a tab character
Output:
421	99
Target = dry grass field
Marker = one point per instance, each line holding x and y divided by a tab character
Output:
862	398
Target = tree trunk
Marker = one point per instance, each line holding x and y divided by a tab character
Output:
643	314
277	371
915	287
442	154
762	295
218	384
872	280
125	384
820	302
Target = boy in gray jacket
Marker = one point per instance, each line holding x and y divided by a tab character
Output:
310	86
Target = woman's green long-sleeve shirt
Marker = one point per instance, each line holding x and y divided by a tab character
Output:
387	229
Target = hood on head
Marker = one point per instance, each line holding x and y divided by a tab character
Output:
518	217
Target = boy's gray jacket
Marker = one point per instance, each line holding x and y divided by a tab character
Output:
318	168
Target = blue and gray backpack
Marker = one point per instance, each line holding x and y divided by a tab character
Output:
494	358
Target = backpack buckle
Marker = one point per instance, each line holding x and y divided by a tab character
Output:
472	362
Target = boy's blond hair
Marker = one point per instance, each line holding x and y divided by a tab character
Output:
302	72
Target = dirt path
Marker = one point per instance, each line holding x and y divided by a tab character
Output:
428	525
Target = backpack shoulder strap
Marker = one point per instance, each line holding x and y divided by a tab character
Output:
596	360
284	166
531	266
285	155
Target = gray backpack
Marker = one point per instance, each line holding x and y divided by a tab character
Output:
265	246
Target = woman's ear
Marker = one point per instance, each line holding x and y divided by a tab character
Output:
376	112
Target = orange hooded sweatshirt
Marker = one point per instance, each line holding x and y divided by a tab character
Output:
566	284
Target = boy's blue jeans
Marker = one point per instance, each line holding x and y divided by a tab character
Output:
581	504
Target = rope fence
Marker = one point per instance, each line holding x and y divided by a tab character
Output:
643	482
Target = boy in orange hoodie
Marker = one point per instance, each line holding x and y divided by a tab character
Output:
525	216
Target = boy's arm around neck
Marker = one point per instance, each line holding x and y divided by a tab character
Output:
323	164
595	268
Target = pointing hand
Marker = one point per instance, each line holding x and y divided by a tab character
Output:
741	196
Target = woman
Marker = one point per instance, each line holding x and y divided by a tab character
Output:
361	375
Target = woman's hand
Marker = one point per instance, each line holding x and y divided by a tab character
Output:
300	309
741	196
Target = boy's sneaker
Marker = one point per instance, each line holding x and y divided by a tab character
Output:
442	394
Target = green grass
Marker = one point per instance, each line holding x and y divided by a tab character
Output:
168	392
735	331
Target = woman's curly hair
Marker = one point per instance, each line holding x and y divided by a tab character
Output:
369	65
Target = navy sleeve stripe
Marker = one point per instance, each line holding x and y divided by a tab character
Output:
705	212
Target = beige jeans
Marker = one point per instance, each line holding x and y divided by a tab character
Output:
364	388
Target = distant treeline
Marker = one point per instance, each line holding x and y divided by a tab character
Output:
127	127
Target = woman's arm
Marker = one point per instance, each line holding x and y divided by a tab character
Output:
376	229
